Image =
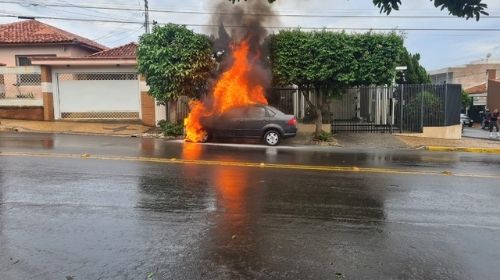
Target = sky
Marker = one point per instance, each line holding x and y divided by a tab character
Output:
438	49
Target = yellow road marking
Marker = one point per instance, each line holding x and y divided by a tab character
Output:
351	169
462	149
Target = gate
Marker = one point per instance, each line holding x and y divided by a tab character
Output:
401	108
364	109
97	95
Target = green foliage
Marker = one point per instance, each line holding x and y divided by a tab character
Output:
333	60
459	8
327	62
324	137
171	129
416	74
466	100
424	99
175	61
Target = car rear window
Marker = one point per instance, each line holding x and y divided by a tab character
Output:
273	111
270	112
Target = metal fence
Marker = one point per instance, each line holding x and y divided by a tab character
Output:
20	82
419	106
400	108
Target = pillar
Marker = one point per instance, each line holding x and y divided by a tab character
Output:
48	97
148	104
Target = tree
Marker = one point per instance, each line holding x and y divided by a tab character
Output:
416	73
324	63
466	100
175	62
459	8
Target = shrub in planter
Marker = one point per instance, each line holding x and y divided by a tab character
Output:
171	129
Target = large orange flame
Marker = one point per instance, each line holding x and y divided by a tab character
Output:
233	89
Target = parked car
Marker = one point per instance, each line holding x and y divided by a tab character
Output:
466	120
255	121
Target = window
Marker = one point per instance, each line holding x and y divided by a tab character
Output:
270	112
28	79
237	113
256	112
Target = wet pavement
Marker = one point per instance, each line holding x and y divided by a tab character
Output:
478	133
86	218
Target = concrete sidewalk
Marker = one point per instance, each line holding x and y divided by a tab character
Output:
478	133
72	127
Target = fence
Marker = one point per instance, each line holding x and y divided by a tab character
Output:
20	82
427	105
403	108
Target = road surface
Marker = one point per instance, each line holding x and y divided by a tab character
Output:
89	207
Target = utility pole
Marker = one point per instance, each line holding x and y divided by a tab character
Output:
146	16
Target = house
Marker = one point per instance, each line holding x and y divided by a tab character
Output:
71	77
469	75
493	100
32	38
474	79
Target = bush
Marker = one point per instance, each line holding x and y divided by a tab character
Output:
324	137
171	129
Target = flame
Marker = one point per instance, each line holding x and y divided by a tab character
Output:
233	89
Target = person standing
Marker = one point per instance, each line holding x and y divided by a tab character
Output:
494	122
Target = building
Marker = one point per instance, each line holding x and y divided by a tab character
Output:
30	38
474	79
51	74
493	101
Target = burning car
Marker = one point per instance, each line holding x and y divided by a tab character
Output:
253	121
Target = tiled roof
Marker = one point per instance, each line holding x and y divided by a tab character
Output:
126	51
35	32
482	88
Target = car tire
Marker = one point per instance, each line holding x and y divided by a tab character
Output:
470	124
272	137
206	137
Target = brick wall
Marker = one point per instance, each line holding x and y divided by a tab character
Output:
493	101
21	113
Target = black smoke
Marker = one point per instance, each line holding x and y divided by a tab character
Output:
245	20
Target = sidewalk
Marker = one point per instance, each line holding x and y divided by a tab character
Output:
417	142
72	127
478	133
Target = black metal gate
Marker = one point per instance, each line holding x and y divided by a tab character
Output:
401	108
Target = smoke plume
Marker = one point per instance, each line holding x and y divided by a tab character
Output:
245	20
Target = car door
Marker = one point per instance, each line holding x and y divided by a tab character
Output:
256	118
229	123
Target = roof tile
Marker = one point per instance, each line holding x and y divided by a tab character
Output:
35	32
126	51
482	88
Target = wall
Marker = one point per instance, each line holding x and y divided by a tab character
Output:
21	113
453	132
8	53
470	75
493	101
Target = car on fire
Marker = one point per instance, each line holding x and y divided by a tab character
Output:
254	121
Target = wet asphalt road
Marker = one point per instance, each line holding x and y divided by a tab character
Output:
87	218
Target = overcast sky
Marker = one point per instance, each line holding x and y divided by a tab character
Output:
438	48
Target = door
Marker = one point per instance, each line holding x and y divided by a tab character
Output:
230	123
254	121
98	95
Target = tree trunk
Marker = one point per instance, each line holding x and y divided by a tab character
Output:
172	111
317	109
319	122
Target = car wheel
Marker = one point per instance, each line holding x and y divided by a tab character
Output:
471	124
206	137
272	137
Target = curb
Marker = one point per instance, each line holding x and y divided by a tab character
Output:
463	149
